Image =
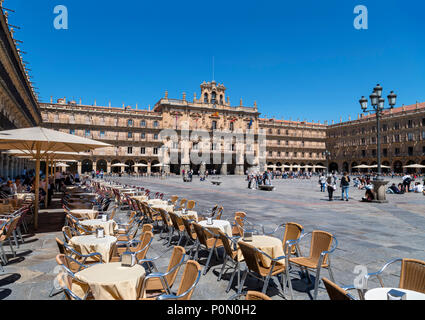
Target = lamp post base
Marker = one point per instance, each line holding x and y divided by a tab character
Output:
379	191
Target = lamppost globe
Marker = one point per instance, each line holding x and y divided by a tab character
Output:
378	90
363	103
392	97
381	103
374	99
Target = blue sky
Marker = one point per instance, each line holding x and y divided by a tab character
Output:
298	59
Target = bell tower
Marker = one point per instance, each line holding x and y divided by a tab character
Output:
213	93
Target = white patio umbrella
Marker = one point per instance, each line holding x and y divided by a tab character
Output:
414	166
62	165
362	166
38	142
160	165
140	165
320	167
119	165
382	166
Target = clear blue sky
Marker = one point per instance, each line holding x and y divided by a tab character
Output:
298	59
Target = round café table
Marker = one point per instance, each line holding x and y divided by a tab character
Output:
88	214
223	225
156	201
90	244
140	198
112	281
109	226
270	245
166	207
381	294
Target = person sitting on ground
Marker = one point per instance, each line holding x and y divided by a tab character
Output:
369	197
394	189
418	188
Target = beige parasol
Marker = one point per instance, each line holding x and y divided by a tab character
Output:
38	142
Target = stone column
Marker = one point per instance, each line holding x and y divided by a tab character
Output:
94	165
79	167
108	167
223	169
149	170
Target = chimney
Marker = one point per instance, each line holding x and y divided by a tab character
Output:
166	94
184	96
194	97
51	99
241	103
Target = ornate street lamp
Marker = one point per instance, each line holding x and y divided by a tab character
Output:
378	106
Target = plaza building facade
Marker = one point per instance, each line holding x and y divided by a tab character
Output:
137	136
18	101
353	143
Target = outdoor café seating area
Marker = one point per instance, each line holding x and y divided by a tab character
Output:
105	251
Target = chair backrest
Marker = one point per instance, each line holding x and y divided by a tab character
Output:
67	233
226	243
61	246
218	214
175	220
12	226
174	199
176	258
112	215
335	292
255	295
190	276
145	242
320	241
412	276
292	232
147	227
240	214
164	216
187	226
200	233
183	203
250	256
190	204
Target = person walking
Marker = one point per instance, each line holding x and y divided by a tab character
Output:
330	186
322	182
345	185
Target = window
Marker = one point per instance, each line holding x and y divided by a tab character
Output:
397	151
155	124
397	138
130	135
385	127
155	136
373	140
363	130
410	124
194	147
142	150
102	134
270	131
423	121
155	150
423	135
130	150
87	133
363	141
423	150
410	151
287	143
363	153
231	126
130	123
214	125
385	139
410	136
71	131
278	154
278	131
213	97
385	152
287	132
143	136
373	152
143	123
221	99
206	98
396	126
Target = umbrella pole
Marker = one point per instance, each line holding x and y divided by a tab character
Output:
47	183
37	186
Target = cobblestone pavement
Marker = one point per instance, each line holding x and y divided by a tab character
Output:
368	234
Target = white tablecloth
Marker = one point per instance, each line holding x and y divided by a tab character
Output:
381	294
109	226
223	225
84	213
111	281
90	244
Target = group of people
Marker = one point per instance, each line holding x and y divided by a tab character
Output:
256	179
329	183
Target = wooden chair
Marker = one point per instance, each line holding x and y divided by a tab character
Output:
335	292
218	214
174	199
320	249
190	205
292	232
77	260
191	236
412	274
209	240
182	204
190	278
252	257
251	296
231	256
238	224
158	283
177	227
167	224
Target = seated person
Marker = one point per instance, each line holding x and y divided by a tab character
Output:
418	188
400	187
394	189
369	197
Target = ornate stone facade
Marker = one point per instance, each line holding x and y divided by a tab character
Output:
18	103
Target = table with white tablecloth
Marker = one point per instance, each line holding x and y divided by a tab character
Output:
109	226
90	244
112	281
270	245
381	294
223	225
84	213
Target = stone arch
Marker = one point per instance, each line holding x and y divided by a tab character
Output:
345	167
354	164
333	167
115	169
86	166
102	165
398	167
130	167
